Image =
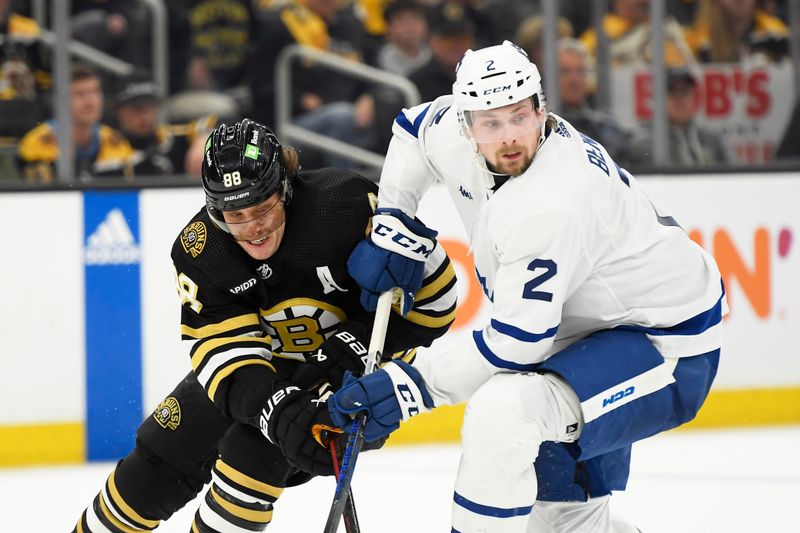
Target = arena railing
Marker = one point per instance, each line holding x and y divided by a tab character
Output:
98	58
660	137
63	45
288	131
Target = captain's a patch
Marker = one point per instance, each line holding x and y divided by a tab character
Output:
168	413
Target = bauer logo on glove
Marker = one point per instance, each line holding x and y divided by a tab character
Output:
269	408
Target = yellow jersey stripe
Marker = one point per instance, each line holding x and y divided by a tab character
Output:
405	356
212	344
228	370
292	302
409	356
123	505
421	319
436	285
246	481
79	525
114	520
226	325
262	517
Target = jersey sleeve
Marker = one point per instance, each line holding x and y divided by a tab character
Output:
225	342
406	173
434	309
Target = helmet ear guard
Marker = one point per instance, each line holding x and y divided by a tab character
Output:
243	166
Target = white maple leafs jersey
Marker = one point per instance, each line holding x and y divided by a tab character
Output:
570	247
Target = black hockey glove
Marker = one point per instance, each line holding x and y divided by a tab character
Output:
298	422
344	350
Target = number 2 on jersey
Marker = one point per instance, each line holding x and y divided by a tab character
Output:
550	269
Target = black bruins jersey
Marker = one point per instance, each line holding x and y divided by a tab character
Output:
245	320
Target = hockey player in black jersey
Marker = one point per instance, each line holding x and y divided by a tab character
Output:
269	315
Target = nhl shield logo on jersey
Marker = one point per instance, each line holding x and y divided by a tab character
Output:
168	413
193	238
264	271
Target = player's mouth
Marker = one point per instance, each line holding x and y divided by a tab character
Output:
511	156
256	242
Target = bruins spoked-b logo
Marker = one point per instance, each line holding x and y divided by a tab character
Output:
168	413
193	238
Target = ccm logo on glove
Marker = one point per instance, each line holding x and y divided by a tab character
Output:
268	409
392	234
409	397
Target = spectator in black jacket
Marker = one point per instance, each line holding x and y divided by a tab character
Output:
575	90
159	148
690	144
406	45
452	33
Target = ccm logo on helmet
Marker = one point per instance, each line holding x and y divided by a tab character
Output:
497	89
254	140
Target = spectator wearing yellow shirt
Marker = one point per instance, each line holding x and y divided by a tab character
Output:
99	149
628	31
731	31
24	72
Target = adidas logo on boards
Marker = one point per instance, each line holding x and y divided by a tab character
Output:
112	242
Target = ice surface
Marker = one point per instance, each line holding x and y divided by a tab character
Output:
725	481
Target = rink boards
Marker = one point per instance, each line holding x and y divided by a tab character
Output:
89	332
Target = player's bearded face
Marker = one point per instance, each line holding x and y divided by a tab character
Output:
507	137
258	229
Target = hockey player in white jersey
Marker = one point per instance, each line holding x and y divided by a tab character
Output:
605	322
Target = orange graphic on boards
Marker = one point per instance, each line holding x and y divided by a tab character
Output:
753	277
469	306
749	272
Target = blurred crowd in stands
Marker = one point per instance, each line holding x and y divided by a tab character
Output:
222	56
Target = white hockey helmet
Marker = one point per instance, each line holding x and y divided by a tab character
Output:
496	76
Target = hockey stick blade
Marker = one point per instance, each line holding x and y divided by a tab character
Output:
356	437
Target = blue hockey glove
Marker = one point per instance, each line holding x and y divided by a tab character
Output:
394	393
393	256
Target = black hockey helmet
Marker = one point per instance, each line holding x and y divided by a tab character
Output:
242	167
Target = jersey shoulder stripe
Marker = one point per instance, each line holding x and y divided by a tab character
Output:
404	122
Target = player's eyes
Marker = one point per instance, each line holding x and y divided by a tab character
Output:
523	118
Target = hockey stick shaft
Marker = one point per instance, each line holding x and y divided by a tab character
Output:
356	437
350	516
